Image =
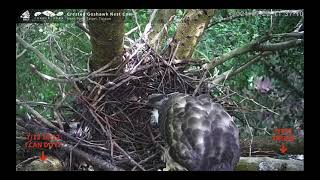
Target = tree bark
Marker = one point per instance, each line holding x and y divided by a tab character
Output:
162	17
189	31
107	34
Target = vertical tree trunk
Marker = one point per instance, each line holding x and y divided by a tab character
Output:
189	31
162	17
107	34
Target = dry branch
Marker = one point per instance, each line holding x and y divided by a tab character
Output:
35	42
96	161
40	56
268	164
279	46
41	118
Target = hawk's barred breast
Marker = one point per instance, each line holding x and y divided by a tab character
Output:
200	134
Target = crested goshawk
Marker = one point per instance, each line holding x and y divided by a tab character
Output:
199	134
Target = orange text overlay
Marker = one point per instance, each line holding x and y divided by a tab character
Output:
283	134
39	141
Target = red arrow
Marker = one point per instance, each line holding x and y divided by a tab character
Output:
43	157
283	149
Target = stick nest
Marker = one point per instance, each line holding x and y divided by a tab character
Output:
110	122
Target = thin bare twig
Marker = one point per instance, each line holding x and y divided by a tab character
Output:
27	160
129	157
251	135
136	20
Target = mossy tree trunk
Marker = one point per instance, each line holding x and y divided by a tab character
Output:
106	37
162	17
189	31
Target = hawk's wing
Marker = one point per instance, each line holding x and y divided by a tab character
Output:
201	135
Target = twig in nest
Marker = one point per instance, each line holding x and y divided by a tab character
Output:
200	82
146	160
134	69
97	84
107	134
27	160
251	135
129	157
107	131
57	113
95	160
178	74
70	163
122	82
41	118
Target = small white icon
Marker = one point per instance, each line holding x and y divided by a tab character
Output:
25	16
48	13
